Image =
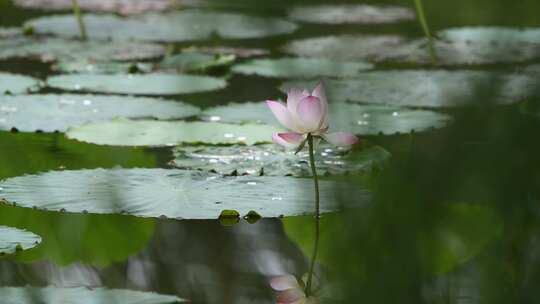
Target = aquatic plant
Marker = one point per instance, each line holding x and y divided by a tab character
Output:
306	114
80	21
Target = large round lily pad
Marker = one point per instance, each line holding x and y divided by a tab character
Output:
9	32
430	88
456	46
141	84
274	160
355	118
240	52
13	240
84	66
360	13
17	84
301	68
59	112
345	47
180	194
49	49
82	295
175	26
124	132
195	62
122	7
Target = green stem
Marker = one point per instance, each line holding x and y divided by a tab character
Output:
78	15
425	27
317	216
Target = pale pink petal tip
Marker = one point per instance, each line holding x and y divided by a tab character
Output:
341	139
281	113
284	282
311	113
319	91
288	140
290	296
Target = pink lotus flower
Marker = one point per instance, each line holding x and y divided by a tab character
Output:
290	291
306	113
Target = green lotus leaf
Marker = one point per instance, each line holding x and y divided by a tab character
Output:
51	112
301	68
179	194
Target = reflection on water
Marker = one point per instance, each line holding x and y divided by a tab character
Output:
198	260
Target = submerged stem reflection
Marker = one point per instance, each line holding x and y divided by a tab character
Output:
80	21
425	28
317	215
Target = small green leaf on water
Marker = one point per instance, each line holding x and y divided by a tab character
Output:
252	217
229	217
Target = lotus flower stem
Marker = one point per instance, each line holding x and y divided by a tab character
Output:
317	214
78	15
425	27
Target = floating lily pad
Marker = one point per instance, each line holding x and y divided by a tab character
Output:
339	14
430	88
50	113
195	62
345	47
101	239
180	194
17	84
141	84
355	118
93	67
491	34
122	7
124	132
457	46
52	49
460	234
301	68
274	160
13	240
239	52
9	32
172	27
82	295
